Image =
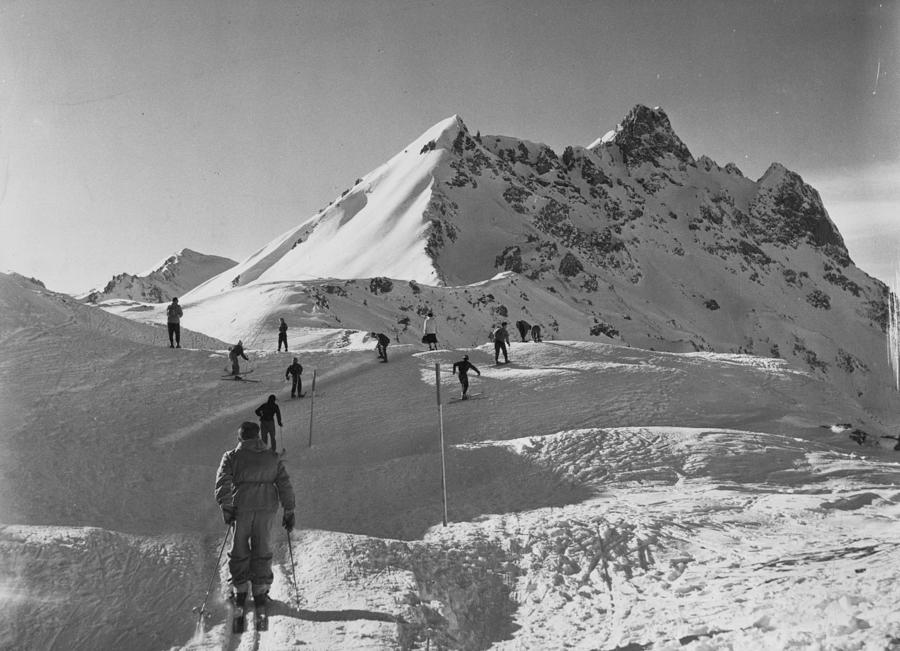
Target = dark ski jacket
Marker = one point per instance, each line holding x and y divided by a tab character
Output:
383	339
463	367
252	478
282	328
238	350
268	411
294	369
174	313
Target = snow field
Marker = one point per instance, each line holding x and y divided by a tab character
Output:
599	497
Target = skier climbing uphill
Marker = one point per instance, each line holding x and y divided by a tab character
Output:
524	328
173	322
282	335
381	346
237	351
501	342
293	373
462	368
250	484
430	332
267	413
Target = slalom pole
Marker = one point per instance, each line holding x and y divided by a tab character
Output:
201	612
293	569
437	385
312	406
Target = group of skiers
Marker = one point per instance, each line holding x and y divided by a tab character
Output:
499	336
251	480
251	483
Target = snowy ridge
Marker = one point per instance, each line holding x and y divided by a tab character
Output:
169	279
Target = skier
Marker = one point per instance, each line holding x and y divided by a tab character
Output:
524	328
381	347
430	328
267	413
501	341
536	333
282	336
173	320
462	369
293	373
250	483
234	352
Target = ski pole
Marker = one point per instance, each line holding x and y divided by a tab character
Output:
293	569
202	610
312	407
437	383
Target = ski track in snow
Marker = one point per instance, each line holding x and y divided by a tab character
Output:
599	497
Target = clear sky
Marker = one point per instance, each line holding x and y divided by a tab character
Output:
130	129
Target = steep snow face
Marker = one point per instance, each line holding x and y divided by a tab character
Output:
169	279
376	228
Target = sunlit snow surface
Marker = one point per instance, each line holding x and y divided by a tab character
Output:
600	497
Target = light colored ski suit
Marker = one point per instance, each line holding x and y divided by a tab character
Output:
252	480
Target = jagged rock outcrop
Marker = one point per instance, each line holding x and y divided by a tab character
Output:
646	136
787	210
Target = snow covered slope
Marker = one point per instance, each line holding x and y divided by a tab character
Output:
169	279
649	245
599	496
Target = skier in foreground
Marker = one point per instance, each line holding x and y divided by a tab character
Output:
462	368
293	373
173	322
250	484
267	413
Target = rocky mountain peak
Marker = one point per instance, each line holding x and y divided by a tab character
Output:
441	136
169	278
790	209
646	136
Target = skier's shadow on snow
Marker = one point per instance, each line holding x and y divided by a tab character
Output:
286	610
345	615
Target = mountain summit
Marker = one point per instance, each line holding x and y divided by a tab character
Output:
645	136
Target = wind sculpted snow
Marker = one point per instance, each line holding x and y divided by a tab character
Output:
600	496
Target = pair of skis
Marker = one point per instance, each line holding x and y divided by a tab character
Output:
238	617
240	377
